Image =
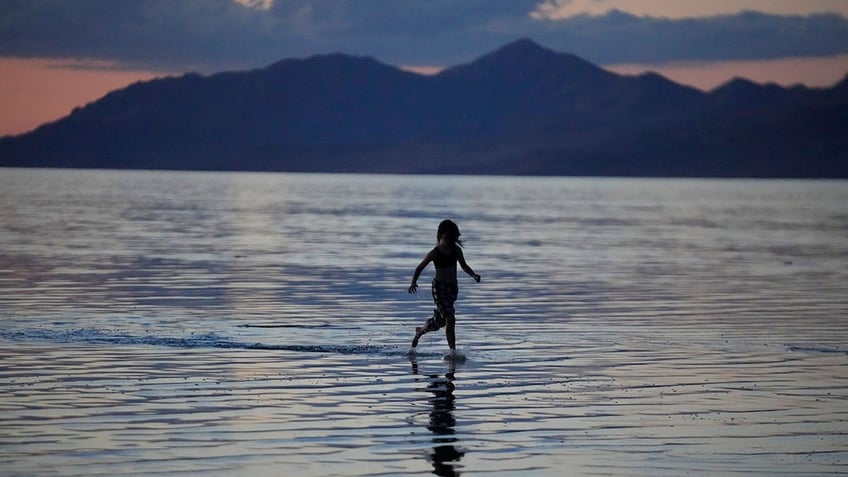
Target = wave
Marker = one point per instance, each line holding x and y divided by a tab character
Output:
302	326
206	340
817	349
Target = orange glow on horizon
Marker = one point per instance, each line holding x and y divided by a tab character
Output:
813	72
34	91
423	70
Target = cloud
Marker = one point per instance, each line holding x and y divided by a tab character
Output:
210	35
142	32
258	4
562	9
618	37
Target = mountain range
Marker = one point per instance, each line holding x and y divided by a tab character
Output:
522	109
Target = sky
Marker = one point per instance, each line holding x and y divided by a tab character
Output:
59	54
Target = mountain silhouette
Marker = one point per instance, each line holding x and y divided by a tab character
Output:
522	109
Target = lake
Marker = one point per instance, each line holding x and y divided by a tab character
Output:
253	324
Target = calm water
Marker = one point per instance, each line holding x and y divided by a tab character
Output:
161	323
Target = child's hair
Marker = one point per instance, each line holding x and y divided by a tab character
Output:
450	231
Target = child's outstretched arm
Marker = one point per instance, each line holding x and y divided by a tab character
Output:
467	269
413	287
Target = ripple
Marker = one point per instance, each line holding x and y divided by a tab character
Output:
258	324
207	340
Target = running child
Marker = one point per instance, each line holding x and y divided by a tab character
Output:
445	255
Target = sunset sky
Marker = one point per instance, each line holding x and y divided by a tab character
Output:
56	55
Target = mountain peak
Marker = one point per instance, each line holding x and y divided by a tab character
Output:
523	46
523	58
523	51
736	85
745	90
334	60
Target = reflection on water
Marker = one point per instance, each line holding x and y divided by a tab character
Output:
220	324
445	456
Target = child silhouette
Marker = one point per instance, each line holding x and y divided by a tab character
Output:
445	255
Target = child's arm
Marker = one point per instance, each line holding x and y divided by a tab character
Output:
461	258
420	268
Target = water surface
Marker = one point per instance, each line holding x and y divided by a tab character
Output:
159	323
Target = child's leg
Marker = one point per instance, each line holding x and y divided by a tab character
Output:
444	295
432	324
450	331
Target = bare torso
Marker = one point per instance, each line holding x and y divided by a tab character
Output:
446	274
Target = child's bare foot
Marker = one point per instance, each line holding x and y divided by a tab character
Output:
418	333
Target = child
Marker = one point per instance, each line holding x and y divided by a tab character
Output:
444	256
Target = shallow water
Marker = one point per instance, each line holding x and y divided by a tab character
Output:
256	324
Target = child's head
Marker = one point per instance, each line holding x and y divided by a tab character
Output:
449	231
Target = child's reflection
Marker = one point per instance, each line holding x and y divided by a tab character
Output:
445	455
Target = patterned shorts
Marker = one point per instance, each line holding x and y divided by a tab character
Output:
444	296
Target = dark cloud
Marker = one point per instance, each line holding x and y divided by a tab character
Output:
408	32
620	37
141	32
215	34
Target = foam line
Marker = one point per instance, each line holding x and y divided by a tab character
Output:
208	340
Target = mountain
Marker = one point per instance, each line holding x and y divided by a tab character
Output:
522	109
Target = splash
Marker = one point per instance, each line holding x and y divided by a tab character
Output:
456	356
205	340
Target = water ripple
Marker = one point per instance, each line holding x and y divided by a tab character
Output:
257	324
